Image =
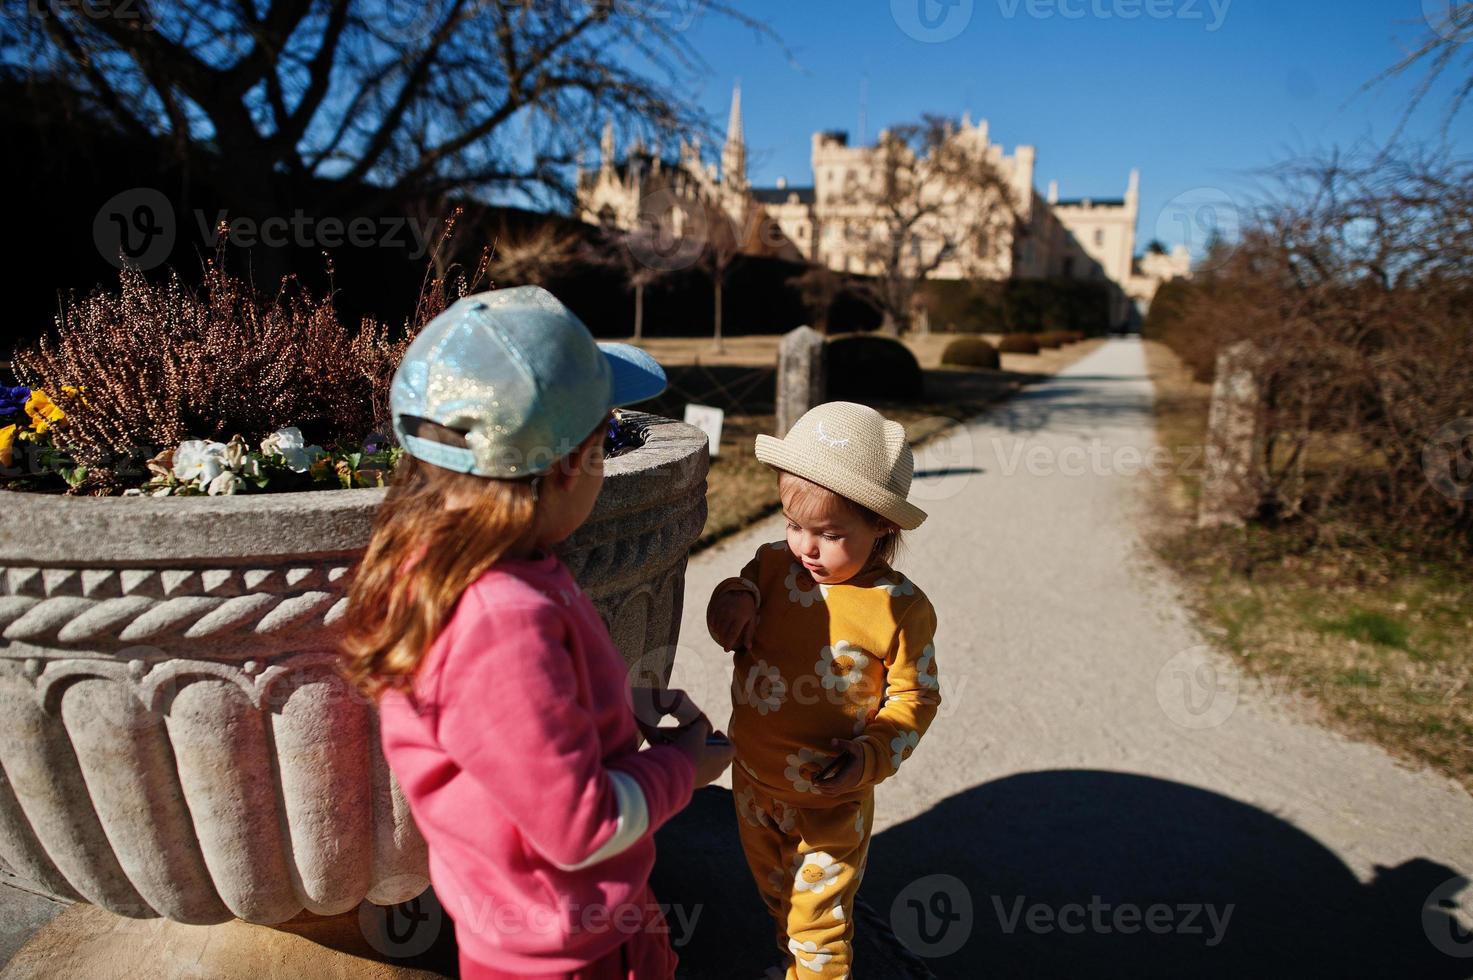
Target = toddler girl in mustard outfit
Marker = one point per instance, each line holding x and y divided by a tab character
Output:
835	675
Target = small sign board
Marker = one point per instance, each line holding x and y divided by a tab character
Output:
709	420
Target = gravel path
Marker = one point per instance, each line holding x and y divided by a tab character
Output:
1100	793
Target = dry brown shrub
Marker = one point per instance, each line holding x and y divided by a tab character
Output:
1355	286
162	363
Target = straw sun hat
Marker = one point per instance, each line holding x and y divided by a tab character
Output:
854	451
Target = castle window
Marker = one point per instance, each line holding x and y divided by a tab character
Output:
1099	236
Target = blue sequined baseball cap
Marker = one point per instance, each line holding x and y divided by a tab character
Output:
520	375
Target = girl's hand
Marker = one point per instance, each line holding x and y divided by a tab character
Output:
653	705
849	772
710	760
732	619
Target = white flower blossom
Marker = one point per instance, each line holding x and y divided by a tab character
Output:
199	461
817	872
289	444
226	483
900	744
841	665
809	954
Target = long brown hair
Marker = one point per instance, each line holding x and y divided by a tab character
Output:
394	613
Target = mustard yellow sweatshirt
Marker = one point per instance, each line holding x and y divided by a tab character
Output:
854	660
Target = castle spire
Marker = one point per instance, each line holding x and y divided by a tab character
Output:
606	147
734	154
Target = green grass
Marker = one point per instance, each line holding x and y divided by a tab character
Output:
1370	627
1381	641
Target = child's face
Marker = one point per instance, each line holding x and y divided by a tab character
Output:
826	533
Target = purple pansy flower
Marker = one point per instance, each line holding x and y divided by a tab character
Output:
13	400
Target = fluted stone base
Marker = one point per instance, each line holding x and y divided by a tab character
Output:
174	740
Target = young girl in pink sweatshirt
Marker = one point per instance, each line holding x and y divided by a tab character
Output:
503	702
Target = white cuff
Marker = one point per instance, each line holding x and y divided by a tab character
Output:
634	820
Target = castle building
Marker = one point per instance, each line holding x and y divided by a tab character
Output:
834	222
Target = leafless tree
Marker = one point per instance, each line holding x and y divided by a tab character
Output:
819	286
1442	49
374	104
725	240
1354	282
628	252
534	256
931	197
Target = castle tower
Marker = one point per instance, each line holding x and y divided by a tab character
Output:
734	153
606	149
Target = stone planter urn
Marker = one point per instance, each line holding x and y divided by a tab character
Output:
174	741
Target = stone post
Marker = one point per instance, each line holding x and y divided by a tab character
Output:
800	376
1230	490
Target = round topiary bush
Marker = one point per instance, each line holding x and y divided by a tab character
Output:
971	352
1051	339
1018	343
864	367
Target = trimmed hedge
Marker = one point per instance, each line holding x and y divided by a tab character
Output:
971	352
865	367
1018	343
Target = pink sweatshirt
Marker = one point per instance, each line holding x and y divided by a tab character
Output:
518	758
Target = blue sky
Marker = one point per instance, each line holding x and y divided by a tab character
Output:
1196	93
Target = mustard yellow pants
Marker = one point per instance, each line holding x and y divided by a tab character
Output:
807	863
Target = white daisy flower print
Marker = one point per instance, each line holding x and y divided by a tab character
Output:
809	954
798	591
926	668
786	817
748	808
839	912
841	665
816	873
900	744
859	822
764	688
778	878
902	587
794	772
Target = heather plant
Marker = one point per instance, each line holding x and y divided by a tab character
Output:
153	367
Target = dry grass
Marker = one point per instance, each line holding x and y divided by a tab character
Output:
1377	648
